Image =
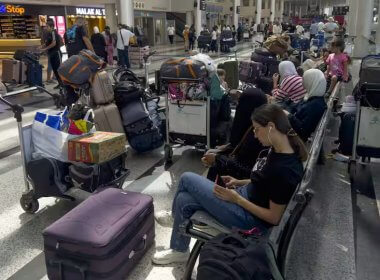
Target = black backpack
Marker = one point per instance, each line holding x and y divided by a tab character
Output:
234	257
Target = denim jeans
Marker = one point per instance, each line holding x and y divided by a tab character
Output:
196	193
123	57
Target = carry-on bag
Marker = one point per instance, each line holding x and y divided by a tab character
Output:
107	118
268	59
250	71
370	70
13	71
126	92
34	73
204	41
101	90
183	68
232	73
104	237
346	134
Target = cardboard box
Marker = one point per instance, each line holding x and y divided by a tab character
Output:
97	147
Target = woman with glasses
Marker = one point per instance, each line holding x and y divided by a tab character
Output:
256	202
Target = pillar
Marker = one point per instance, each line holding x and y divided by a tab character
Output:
111	19
363	29
378	33
290	12
189	18
198	18
300	12
126	14
259	6
236	15
272	10
352	17
282	3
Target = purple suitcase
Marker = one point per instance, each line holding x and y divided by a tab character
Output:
250	71
102	238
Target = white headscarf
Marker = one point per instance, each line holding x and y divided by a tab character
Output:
286	69
96	29
315	83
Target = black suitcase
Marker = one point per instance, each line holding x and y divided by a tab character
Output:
268	59
346	134
102	238
232	72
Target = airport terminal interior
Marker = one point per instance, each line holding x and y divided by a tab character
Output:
202	139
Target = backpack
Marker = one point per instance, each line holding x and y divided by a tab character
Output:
71	34
127	91
80	69
232	256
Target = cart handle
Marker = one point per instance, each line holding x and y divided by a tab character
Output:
18	109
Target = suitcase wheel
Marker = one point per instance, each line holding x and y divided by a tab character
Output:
29	204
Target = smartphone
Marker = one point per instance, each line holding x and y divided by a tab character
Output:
219	181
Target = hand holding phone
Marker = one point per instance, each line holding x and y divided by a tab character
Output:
219	181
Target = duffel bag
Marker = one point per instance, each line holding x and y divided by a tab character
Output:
80	69
90	177
126	91
183	68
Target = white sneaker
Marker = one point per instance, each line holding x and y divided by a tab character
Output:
170	256
164	218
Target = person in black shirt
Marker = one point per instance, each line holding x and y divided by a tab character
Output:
257	202
52	46
76	38
99	43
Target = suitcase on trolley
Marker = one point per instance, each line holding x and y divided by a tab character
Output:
107	118
102	90
250	71
232	72
13	71
102	238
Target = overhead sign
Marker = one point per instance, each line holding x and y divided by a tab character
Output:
90	11
12	9
203	5
340	11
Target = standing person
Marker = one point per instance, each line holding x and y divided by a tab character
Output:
234	32
214	40
239	32
192	37
99	43
49	70
185	34
52	46
76	38
313	30
277	29
270	29
171	32
330	28
123	36
109	44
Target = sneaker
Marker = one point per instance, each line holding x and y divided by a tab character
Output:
170	256
164	218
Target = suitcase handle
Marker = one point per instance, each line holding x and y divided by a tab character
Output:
134	251
82	267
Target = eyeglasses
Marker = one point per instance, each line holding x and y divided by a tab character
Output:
256	129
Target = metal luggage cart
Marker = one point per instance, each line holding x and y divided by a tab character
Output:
187	122
29	199
366	142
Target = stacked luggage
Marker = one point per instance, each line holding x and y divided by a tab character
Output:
136	55
227	41
267	59
250	71
204	40
23	69
319	41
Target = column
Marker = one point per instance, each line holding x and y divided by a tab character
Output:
126	14
282	3
236	15
300	12
351	24
198	18
363	29
378	34
259	6
111	19
290	12
272	10
189	18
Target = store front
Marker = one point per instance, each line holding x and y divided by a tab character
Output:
95	16
20	25
153	25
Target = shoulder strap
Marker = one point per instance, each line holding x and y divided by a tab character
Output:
238	146
121	36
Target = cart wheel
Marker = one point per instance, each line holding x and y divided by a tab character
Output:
29	205
352	170
168	153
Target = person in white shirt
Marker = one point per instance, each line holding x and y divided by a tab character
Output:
320	26
330	28
277	29
123	37
171	32
299	29
214	38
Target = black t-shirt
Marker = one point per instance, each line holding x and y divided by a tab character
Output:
274	177
74	40
50	37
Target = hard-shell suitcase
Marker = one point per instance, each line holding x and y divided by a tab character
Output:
107	118
102	238
232	72
101	91
250	71
346	133
267	59
14	71
34	74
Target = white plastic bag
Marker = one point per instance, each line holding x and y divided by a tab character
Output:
49	142
207	61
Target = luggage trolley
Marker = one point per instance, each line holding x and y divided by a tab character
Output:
187	121
366	142
29	199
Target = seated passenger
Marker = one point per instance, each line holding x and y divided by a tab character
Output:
256	202
305	116
317	63
337	65
290	90
238	158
